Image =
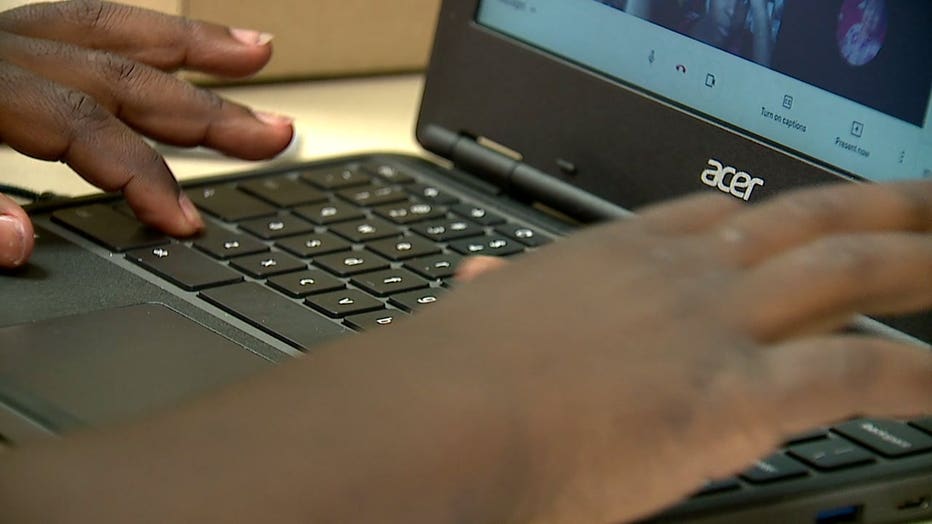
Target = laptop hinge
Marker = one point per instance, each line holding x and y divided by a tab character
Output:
517	178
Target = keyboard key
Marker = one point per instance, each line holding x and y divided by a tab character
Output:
924	423
831	453
373	195
410	212
446	230
183	266
304	283
283	191
279	316
343	303
435	266
389	173
812	434
478	214
887	437
718	486
431	194
314	244
404	248
351	263
109	227
279	226
373	320
228	203
329	213
414	300
773	468
492	245
367	229
525	235
265	265
389	281
337	178
224	244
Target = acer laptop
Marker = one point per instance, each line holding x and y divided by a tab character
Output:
548	114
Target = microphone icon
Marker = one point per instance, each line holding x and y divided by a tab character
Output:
651	57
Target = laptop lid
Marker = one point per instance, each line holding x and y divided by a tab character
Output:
630	99
637	101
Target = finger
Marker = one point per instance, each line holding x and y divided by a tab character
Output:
798	217
160	40
689	214
16	234
474	267
51	122
820	286
820	380
155	103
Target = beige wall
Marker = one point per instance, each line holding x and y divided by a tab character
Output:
169	6
322	38
9	4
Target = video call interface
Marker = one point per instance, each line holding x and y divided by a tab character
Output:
845	83
873	52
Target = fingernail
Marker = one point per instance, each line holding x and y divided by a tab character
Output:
273	119
12	241
190	212
251	37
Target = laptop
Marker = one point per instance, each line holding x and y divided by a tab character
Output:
545	115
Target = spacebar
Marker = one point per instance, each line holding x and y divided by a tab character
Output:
289	321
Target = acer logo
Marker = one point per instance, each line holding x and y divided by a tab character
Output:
729	180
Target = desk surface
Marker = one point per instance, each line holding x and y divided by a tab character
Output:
332	117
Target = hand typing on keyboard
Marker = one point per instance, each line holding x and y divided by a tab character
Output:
599	379
80	81
707	336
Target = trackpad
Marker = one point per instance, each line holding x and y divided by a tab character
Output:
104	366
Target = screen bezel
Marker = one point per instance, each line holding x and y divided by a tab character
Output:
485	84
524	109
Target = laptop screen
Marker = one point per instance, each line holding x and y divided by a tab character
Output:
845	83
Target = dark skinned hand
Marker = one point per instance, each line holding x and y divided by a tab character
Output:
708	337
81	81
692	341
686	344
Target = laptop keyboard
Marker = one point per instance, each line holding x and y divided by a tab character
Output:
850	445
366	244
363	244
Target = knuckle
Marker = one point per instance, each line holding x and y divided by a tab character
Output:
123	69
87	13
210	100
83	110
176	35
818	208
118	69
846	256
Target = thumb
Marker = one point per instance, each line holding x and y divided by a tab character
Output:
16	234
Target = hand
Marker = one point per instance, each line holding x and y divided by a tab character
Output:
649	356
80	79
597	380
